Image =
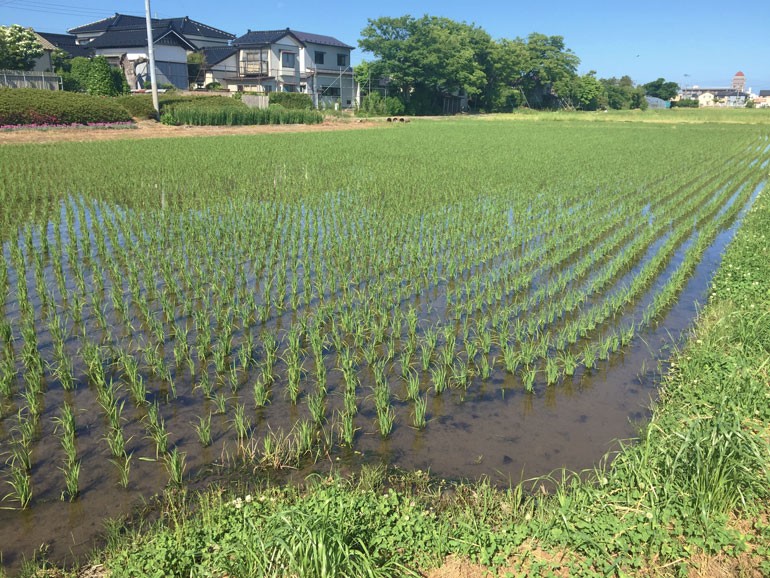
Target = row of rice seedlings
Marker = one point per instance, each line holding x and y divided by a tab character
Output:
157	303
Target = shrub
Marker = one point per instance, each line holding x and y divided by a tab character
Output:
21	106
292	100
375	105
140	105
684	103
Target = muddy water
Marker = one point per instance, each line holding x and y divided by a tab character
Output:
494	429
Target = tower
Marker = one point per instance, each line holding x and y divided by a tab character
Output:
739	81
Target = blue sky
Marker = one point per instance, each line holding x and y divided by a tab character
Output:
701	43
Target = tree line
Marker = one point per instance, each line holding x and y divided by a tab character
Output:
418	63
422	61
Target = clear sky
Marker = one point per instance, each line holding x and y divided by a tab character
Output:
694	43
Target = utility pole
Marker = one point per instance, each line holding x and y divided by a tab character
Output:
151	54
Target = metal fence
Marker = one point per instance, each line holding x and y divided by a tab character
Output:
22	79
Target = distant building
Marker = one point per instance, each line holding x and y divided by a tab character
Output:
739	82
763	100
735	96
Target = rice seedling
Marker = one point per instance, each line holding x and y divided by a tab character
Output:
420	408
442	285
439	379
21	485
123	465
241	423
203	429
175	462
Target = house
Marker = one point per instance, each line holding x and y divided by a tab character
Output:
286	61
64	42
122	39
763	99
44	63
735	96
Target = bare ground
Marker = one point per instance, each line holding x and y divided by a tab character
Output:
152	129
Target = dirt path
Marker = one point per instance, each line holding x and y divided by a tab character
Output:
151	129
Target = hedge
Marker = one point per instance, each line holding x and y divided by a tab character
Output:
140	105
292	100
30	106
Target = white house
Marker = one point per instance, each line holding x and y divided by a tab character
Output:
286	61
122	39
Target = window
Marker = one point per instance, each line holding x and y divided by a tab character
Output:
330	91
319	57
253	62
288	59
342	60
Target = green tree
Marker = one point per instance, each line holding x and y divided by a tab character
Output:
582	92
426	58
533	66
61	61
19	48
660	88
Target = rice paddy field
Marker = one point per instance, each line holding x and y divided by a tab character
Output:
468	297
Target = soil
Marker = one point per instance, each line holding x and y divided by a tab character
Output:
153	129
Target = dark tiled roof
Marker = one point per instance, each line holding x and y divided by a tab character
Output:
183	25
261	37
66	42
320	39
270	36
216	54
764	93
136	37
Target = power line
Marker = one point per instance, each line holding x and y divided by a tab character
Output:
60	9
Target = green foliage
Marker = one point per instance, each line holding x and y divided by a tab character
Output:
662	89
61	61
100	80
76	78
19	48
425	58
291	100
375	105
207	112
685	103
621	94
31	106
204	237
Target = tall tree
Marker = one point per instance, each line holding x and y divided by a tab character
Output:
660	88
19	48
534	65
582	92
426	58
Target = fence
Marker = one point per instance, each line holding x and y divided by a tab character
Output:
256	100
22	79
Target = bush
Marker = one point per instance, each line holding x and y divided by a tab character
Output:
292	100
375	105
684	103
23	106
140	105
200	113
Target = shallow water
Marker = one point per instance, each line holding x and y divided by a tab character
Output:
494	429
